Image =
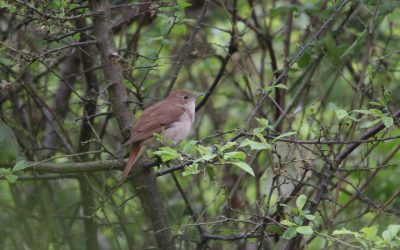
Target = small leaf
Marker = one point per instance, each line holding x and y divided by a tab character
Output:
204	150
263	122
207	157
235	155
9	147
183	4
280	86
387	236
288	223
376	112
271	88
189	146
301	201
255	145
362	111
309	217
167	154
344	231
341	113
370	232
289	233
191	169
11	178
387	121
306	230
375	104
387	98
299	220
165	41
21	165
258	130
331	50
274	229
226	146
4	171
244	166
285	135
304	60
390	232
394	229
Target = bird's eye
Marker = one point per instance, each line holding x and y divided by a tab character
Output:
185	97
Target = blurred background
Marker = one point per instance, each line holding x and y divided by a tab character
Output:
295	143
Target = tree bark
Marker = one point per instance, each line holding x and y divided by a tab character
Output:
145	181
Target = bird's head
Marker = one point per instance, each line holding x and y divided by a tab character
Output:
183	96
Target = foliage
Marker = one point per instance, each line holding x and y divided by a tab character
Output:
295	144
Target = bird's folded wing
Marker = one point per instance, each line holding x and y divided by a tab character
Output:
154	119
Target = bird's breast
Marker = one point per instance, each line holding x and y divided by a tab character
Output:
180	129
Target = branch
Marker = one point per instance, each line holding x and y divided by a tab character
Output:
186	49
145	181
329	172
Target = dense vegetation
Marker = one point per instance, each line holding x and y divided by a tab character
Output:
295	143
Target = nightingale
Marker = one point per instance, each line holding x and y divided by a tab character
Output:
172	117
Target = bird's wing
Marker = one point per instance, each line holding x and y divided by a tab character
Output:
154	119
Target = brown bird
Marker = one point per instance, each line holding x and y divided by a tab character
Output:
172	117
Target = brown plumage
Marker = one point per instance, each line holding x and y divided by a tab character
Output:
172	117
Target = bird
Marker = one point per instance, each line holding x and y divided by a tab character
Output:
172	117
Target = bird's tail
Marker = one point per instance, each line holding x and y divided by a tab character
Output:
134	155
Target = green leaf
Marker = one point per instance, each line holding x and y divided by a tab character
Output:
244	166
289	233
5	171
331	50
3	4
387	98
258	130
165	41
304	60
280	86
288	223
362	111
387	121
21	165
167	154
394	229
305	230
226	146
309	217
299	220
183	4
341	113
235	155
274	229
376	112
9	147
11	178
370	232
344	231
254	145
285	135
204	150
191	170
263	122
390	232
189	146
301	201
207	157
375	104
